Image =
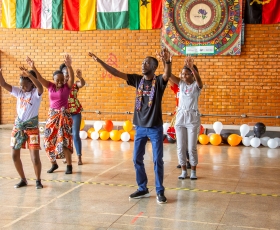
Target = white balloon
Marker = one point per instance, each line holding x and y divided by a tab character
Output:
264	141
250	137
272	143
278	140
165	127
255	142
125	146
209	134
83	134
244	129
218	126
125	136
97	125
94	135
272	153
246	141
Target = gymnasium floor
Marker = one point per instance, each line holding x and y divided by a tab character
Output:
237	188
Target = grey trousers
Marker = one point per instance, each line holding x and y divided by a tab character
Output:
186	126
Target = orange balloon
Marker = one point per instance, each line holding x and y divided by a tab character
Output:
234	139
203	139
108	126
215	139
121	131
127	126
115	135
132	134
104	135
90	130
101	130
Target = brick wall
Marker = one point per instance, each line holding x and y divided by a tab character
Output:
234	85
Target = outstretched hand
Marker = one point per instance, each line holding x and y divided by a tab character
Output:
30	62
189	62
24	71
79	74
93	56
165	55
68	60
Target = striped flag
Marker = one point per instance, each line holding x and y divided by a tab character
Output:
79	15
46	14
15	14
112	14
145	14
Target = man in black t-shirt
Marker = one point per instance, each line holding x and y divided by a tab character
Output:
147	119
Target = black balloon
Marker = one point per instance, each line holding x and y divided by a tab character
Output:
170	139
259	129
225	137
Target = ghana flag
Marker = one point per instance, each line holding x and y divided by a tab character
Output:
262	11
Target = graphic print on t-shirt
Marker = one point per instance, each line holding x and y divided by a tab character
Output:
25	101
147	88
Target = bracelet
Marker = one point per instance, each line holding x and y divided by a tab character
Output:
168	62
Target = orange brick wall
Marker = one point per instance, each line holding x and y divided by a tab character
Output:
234	85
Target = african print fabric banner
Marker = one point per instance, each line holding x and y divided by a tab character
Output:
202	27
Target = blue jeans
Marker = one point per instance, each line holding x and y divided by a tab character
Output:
76	132
141	137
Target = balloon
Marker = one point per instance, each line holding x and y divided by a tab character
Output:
264	141
83	135
170	139
97	126
246	141
100	131
125	136
94	135
215	139
225	137
278	140
217	126
132	134
203	139
272	143
255	142
108	126
244	129
250	137
121	131
234	139
90	131
104	135
201	129
165	127
115	135
82	125
210	134
259	129
127	126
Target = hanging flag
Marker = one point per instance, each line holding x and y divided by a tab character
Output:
71	15
15	14
262	12
112	14
145	14
46	14
87	15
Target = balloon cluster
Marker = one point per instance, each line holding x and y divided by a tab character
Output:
233	139
105	131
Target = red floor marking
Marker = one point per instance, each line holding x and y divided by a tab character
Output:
136	217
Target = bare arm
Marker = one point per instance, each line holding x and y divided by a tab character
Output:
38	85
174	80
166	58
82	82
108	68
42	80
68	63
4	84
189	63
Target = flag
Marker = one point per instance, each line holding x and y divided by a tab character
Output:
15	14
262	11
112	14
145	14
46	14
80	15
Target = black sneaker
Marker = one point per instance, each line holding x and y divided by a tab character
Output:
22	183
179	166
140	194
161	199
39	184
188	165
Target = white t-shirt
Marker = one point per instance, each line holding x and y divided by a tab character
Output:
27	103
